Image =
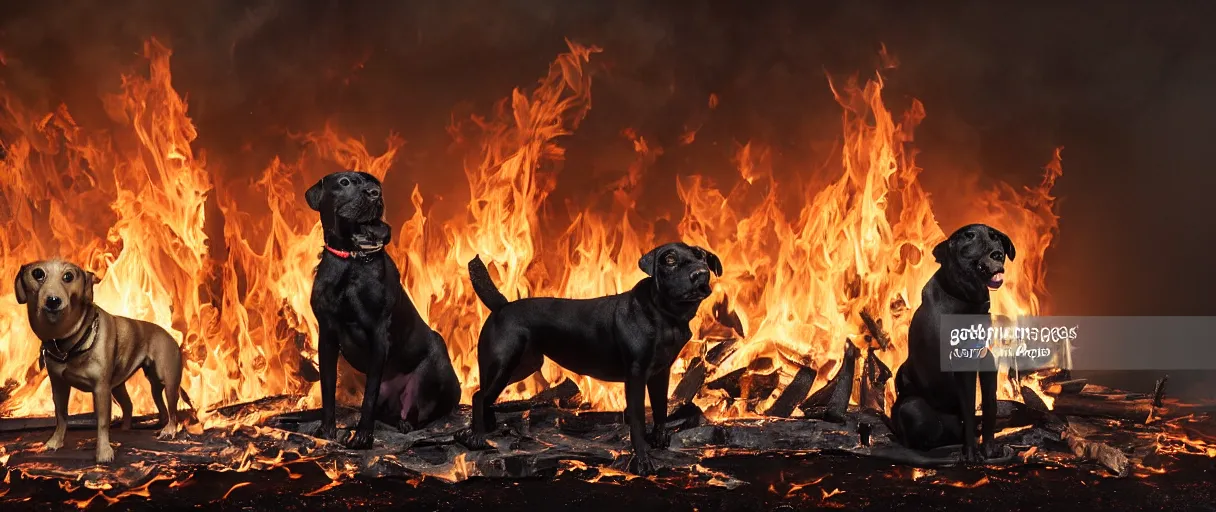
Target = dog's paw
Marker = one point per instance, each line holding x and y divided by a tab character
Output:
327	432
126	424
642	465
404	427
105	454
659	438
54	443
472	440
362	440
971	455
167	433
993	451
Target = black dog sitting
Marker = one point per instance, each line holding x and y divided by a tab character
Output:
632	337
934	408
364	314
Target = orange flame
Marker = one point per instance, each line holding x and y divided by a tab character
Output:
134	203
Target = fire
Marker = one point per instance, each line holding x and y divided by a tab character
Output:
225	265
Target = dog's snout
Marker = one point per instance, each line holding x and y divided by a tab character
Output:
372	192
997	255
53	303
700	276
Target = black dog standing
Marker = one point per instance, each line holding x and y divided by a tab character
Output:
935	408
632	337
363	313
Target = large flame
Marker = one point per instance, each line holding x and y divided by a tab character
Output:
133	202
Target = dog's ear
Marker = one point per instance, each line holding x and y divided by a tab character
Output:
1006	243
90	280
19	284
314	195
648	261
715	264
941	251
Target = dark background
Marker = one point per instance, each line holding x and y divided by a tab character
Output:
1124	86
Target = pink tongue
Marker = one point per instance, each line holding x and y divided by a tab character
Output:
996	281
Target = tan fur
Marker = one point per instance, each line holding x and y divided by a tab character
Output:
119	346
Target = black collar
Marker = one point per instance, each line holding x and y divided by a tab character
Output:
83	342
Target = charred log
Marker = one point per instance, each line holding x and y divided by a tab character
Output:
565	393
874	383
689	386
731	383
1067	387
877	334
721	351
760	380
795	392
1109	457
831	404
270	403
83	421
1159	392
1088	405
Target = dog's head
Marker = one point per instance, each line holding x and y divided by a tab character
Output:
681	271
975	256
57	294
349	195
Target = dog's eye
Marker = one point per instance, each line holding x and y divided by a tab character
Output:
344	182
68	276
970	235
38	274
670	260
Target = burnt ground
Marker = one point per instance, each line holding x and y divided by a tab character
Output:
844	482
543	464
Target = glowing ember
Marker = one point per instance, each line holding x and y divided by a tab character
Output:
132	203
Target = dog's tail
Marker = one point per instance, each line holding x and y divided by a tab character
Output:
483	285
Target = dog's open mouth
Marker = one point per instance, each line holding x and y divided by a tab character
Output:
995	277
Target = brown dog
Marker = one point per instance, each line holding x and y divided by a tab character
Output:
86	348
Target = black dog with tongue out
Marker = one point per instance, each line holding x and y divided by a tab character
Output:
364	314
632	337
935	408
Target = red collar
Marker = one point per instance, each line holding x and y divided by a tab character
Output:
352	254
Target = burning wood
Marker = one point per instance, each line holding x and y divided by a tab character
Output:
1102	453
831	402
1067	387
874	383
795	392
1114	407
877	334
690	384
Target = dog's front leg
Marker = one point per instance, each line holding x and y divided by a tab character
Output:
60	392
988	409
371	393
966	398
101	407
327	359
635	409
657	388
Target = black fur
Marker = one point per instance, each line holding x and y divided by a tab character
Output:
632	337
364	314
934	408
